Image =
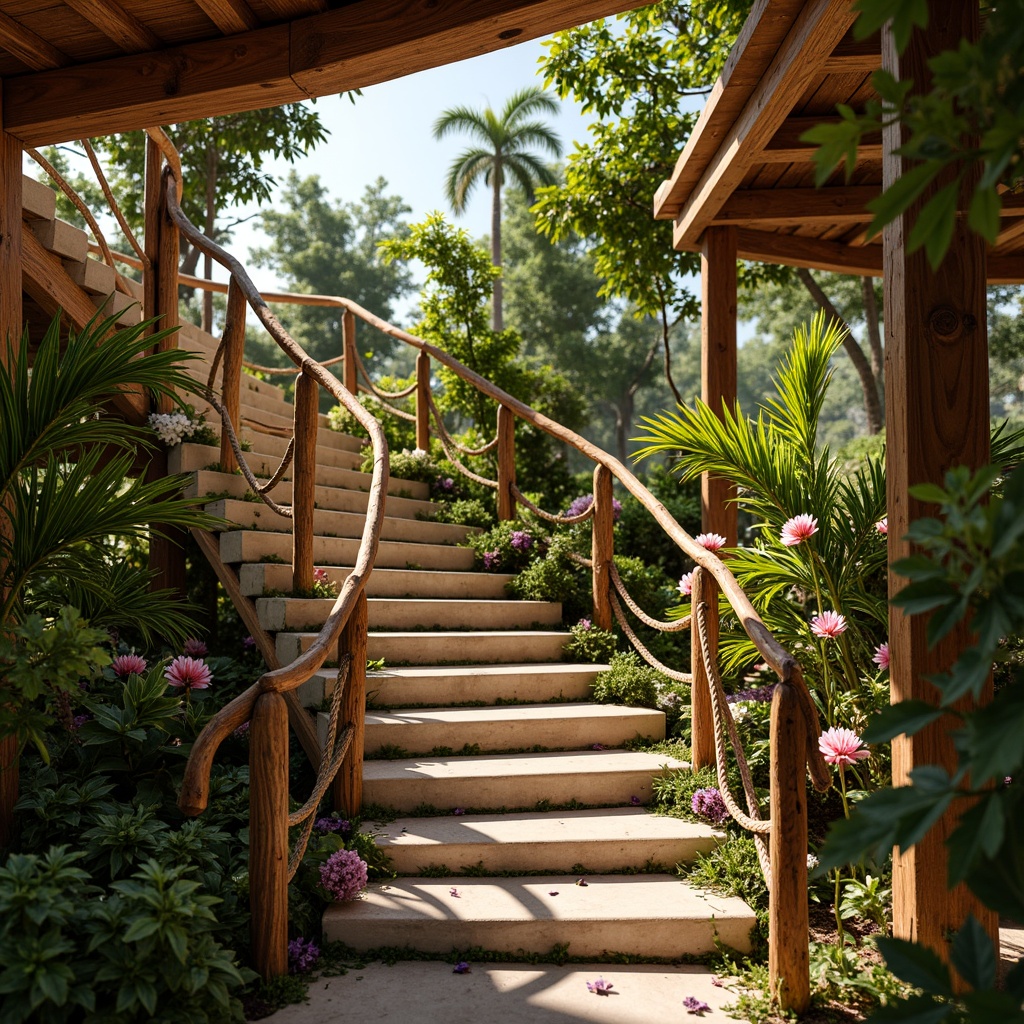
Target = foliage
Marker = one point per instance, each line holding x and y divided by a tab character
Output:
509	546
465	512
628	681
638	534
589	643
969	114
781	473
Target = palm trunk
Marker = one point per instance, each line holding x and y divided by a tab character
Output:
497	321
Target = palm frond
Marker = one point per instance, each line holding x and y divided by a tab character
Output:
464	175
529	172
525	103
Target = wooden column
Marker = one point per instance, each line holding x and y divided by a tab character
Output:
268	834
718	363
348	344
788	925
347	790
151	227
937	416
702	720
231	372
423	401
602	548
307	398
506	462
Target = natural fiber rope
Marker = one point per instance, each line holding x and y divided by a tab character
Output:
216	363
579	559
676	626
392	395
147	263
550	517
400	413
457	445
450	455
267	428
291	370
679	677
286	461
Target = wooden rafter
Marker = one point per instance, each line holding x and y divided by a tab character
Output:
230	16
813	253
855	56
785	146
295	8
796	206
33	51
354	46
117	24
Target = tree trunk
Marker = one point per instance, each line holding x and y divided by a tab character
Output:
211	219
867	285
872	404
497	321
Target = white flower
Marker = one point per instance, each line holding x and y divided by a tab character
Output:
171	427
419	453
812	862
739	710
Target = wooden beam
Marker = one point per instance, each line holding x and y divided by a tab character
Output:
937	416
352	47
10	242
1007	269
295	8
33	51
117	24
230	16
795	206
813	253
855	56
785	146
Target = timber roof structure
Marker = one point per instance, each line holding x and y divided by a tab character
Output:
744	164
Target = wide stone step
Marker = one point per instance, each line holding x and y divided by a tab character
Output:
252	515
187	458
424	648
258	579
515	781
287	613
336	499
644	915
510	727
254	416
599	840
254	546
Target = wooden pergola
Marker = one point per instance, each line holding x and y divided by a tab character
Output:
743	188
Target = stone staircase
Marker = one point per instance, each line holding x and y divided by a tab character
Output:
514	817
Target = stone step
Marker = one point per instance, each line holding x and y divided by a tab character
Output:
284	613
252	515
91	276
187	458
515	781
423	648
127	309
337	499
258	579
253	546
61	238
38	199
509	727
643	915
600	840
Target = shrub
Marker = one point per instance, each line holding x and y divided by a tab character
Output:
589	643
628	681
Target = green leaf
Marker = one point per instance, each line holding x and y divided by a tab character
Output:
972	955
934	226
931	492
908	716
916	965
913	1010
983	217
900	195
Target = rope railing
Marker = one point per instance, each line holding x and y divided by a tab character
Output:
551	517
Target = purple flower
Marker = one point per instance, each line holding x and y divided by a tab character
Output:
302	955
326	825
459	810
708	803
461	968
584	501
694	1005
78	721
242	731
635	801
492	559
521	540
600	987
597	746
760	694
584	624
455	892
445	483
194	648
343	875
248	644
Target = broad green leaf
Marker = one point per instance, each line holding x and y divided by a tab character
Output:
916	965
972	955
909	716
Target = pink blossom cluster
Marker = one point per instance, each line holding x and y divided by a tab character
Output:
185	673
343	875
125	665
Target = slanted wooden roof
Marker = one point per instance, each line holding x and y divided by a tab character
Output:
745	165
74	68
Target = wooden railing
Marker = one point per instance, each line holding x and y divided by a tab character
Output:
781	838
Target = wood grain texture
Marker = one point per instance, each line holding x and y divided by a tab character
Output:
348	342
231	379
602	547
230	16
307	408
788	925
10	242
152	200
506	452
798	207
347	788
785	146
718	365
168	247
117	24
31	49
422	400
814	253
937	416
702	720
268	834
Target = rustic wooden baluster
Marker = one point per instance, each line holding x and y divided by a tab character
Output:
348	343
307	397
348	783
788	959
231	370
151	227
602	547
506	462
168	247
702	720
268	834
423	401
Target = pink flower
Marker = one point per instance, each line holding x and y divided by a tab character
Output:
694	1005
882	526
455	892
799	529
881	658
828	625
841	747
710	541
125	665
321	576
686	584
343	875
600	987
188	673
194	648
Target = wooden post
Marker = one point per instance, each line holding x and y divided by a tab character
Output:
937	416
602	547
166	276
702	719
347	790
151	227
307	407
718	364
788	925
506	463
348	344
423	401
231	372
268	834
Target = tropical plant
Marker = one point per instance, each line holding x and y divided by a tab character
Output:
504	149
815	568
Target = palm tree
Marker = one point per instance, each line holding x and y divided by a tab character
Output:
505	139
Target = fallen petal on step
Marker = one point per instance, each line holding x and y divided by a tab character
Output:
600	987
461	967
455	892
555	893
597	746
635	801
716	981
459	810
694	1005
582	881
